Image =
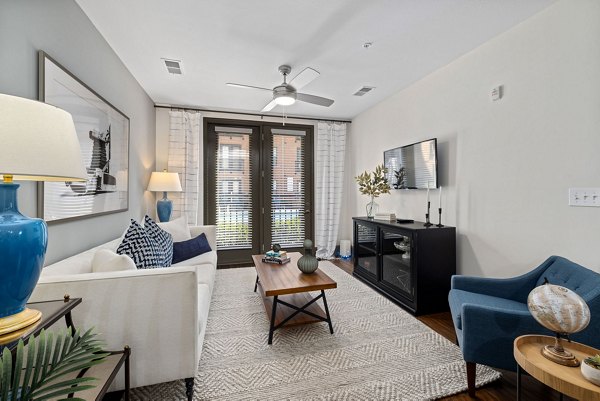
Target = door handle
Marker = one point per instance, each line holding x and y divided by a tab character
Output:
306	211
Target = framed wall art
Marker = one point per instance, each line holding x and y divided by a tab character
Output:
103	133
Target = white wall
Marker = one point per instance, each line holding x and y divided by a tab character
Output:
505	166
61	29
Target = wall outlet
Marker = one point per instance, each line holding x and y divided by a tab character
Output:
584	197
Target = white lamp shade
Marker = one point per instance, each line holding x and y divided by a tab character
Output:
38	142
164	182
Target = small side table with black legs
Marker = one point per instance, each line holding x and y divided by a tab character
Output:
52	312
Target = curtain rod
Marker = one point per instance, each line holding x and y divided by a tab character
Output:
156	106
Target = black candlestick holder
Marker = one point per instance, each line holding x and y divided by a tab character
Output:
439	224
427	222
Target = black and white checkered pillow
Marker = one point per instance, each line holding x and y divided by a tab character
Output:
161	238
140	247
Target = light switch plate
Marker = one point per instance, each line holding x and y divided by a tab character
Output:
584	197
496	93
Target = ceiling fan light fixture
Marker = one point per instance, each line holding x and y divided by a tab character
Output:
284	95
285	99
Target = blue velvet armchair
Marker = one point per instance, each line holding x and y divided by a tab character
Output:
488	314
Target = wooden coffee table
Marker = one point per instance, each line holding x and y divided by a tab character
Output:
564	379
287	286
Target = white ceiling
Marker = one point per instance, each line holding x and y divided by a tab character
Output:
244	41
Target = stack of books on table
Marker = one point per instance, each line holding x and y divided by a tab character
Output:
385	216
280	257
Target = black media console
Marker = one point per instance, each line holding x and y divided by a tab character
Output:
409	263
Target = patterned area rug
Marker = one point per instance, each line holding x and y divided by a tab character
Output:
378	351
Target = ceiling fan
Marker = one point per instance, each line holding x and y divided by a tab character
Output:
286	94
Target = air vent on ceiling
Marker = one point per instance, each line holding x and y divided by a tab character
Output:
173	66
364	90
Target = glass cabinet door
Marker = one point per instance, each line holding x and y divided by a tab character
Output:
396	258
366	252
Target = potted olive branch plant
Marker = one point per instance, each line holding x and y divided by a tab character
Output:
37	371
373	184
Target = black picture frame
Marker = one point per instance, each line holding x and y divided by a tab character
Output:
103	132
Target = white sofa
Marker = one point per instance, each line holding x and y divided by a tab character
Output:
160	313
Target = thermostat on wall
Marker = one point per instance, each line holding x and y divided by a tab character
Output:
496	93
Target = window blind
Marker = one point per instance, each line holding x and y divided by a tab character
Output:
234	189
288	188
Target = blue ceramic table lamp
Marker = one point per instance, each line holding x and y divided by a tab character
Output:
164	182
38	142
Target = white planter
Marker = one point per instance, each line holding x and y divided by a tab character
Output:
590	373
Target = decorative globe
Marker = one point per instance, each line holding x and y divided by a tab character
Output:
276	247
558	309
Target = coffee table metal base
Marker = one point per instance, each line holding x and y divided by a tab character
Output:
298	309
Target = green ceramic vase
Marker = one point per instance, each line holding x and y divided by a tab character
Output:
308	263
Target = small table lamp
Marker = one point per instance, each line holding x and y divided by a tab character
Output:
164	182
38	142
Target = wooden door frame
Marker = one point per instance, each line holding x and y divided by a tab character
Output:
209	185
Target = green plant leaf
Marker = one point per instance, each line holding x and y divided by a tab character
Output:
18	364
31	345
373	184
62	392
6	373
39	357
68	385
47	354
74	368
50	357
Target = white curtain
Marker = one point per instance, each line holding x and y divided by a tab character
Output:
331	146
184	158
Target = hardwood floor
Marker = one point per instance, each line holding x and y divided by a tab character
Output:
500	390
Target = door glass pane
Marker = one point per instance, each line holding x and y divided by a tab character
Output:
288	189
234	186
366	251
396	261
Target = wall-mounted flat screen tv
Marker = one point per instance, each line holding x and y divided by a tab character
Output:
412	166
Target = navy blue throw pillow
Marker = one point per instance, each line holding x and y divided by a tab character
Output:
185	250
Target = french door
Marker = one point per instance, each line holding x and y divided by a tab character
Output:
258	187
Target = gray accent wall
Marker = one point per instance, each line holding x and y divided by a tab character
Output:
61	29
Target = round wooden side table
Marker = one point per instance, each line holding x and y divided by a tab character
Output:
566	380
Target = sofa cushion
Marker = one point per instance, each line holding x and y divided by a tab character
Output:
79	263
185	250
162	239
205	258
568	274
178	228
106	260
138	245
458	298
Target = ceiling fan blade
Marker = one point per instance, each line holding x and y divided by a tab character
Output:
304	77
269	106
247	86
321	101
